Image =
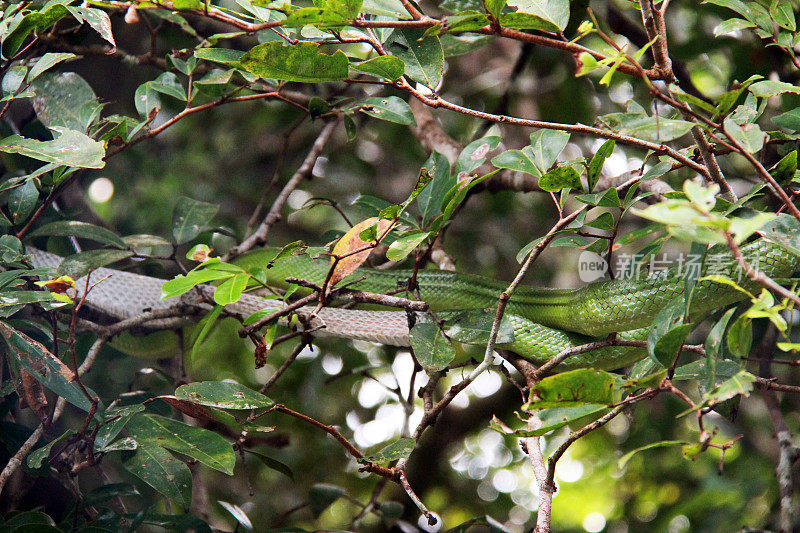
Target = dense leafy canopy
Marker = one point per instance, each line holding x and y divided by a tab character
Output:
173	136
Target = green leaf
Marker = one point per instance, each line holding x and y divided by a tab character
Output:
740	384
203	329
783	14
789	120
10	249
29	522
70	148
587	63
573	241
474	154
494	7
78	265
784	231
553	13
389	108
115	420
457	195
12	81
322	18
46	62
350	128
22	200
105	493
731	25
784	170
273	464
82	230
178	522
222	394
431	198
183	283
385	8
238	513
230	290
161	470
767	88
559	417
714	346
575	388
44	366
35	21
206	446
475	326
668	333
604	222
423	56
596	164
190	218
392	452
466	21
433	351
522	255
406	244
788	346
65	100
609	198
168	84
698	369
740	337
546	145
124	444
526	21
560	178
227	56
348	9
322	495
749	136
40	455
623	461
387	67
97	19
519	160
13	299
302	62
643	126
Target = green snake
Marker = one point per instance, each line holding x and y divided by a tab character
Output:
545	321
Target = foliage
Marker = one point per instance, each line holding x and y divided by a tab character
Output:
154	135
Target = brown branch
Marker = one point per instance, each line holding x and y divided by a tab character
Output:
764	175
390	473
435	101
252	328
783	469
196	109
363	297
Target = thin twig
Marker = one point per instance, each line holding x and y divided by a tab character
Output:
757	275
259	236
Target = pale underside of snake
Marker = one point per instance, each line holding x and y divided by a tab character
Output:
545	321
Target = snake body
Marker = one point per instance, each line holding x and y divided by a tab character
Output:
545	321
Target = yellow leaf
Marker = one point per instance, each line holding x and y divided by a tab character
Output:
58	285
352	251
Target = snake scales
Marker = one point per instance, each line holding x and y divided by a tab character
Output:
545	321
